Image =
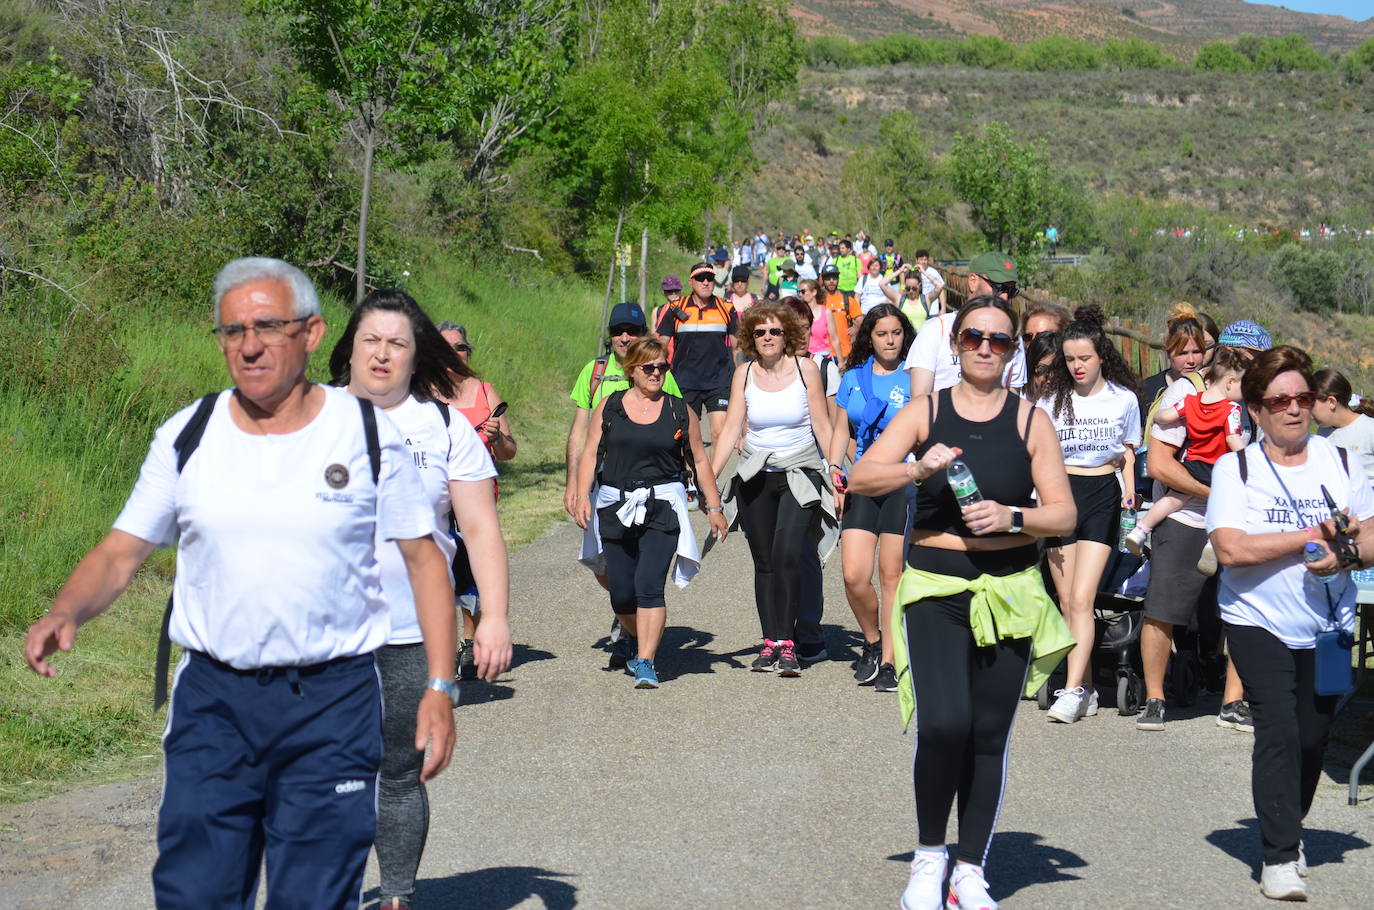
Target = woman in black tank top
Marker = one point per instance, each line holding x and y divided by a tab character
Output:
640	445
975	562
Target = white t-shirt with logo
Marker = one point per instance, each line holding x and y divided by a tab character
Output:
931	351
1358	437
1101	428
441	453
1280	595
276	562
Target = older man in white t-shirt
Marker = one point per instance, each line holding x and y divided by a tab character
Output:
273	740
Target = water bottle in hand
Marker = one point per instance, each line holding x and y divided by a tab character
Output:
1314	552
962	483
1128	523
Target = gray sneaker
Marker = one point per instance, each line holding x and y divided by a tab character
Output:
1236	715
866	667
1152	717
1281	882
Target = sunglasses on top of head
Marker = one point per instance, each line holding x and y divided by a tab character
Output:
972	339
1279	403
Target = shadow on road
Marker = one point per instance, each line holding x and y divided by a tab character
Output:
524	654
493	889
1018	859
477	692
1242	843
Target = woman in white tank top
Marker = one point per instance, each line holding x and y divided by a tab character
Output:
780	487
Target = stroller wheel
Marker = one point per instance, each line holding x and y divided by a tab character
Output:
1130	693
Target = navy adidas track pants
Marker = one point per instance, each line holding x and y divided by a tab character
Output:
276	762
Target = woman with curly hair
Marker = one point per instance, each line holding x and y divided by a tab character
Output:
874	388
1093	404
780	491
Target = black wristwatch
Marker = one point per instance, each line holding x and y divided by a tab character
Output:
1018	520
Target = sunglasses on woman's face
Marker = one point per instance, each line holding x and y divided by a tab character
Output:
1279	403
771	330
972	339
463	348
653	369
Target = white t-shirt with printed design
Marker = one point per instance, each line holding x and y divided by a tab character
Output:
1101	428
1281	596
276	560
931	351
441	453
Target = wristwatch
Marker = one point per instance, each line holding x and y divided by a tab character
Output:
1018	520
446	686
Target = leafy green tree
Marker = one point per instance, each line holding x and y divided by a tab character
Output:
985	52
1291	53
1220	57
1313	276
1057	53
1135	54
830	50
1010	188
1359	63
890	185
1249	44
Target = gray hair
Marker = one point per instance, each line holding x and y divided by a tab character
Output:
258	268
448	325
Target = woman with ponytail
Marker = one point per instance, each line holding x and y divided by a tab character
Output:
1350	416
1092	402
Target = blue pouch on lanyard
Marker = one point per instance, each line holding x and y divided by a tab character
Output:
1334	674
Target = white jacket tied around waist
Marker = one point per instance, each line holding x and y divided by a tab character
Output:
794	462
633	511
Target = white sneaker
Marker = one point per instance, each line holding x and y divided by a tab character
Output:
1073	704
926	887
1136	540
1282	882
1207	562
968	890
1302	860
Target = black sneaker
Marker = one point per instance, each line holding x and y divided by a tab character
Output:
467	667
886	680
1152	717
788	665
617	630
767	661
1236	715
866	667
812	653
625	648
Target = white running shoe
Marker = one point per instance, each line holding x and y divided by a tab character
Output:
1136	540
1282	882
968	890
926	886
1073	704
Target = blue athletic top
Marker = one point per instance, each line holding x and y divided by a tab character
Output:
894	388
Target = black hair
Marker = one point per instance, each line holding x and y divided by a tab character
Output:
1328	383
1046	344
435	364
920	253
1087	325
863	338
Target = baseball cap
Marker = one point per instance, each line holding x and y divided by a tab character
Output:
830	271
721	255
1246	334
995	266
739	273
672	283
627	313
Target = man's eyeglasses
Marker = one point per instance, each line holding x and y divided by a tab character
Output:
626	328
771	330
268	331
653	369
972	339
1279	403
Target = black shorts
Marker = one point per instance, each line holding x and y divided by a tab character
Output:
712	399
887	514
1200	471
1098	499
1175	582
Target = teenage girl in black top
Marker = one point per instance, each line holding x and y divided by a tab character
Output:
966	696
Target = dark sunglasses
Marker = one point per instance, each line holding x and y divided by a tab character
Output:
463	348
652	369
1280	403
972	339
771	330
1044	369
1004	287
705	279
626	328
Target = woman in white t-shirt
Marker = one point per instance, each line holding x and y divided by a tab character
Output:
1092	401
870	286
1267	505
1350	416
391	353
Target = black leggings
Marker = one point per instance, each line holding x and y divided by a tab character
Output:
402	803
777	528
637	566
1291	726
966	699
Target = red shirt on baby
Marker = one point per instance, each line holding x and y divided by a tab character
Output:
1208	426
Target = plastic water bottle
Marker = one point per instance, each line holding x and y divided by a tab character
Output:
1128	522
1313	552
962	483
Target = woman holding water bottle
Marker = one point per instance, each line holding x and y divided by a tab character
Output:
972	622
1096	414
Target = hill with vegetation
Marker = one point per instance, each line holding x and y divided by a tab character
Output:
1180	25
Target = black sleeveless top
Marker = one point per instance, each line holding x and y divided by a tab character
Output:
994	450
640	455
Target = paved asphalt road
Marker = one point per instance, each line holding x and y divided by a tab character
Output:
728	789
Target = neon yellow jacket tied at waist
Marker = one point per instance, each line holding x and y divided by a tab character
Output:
1003	606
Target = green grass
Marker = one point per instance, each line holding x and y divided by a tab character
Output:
75	422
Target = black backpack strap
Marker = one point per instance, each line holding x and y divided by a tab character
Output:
374	444
187	441
1244	467
1345	458
1030	415
614	401
443	410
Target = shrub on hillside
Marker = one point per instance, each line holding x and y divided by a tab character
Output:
1057	53
1311	275
1220	57
1290	53
1359	63
1133	53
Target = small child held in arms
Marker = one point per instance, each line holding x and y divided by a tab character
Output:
1212	420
